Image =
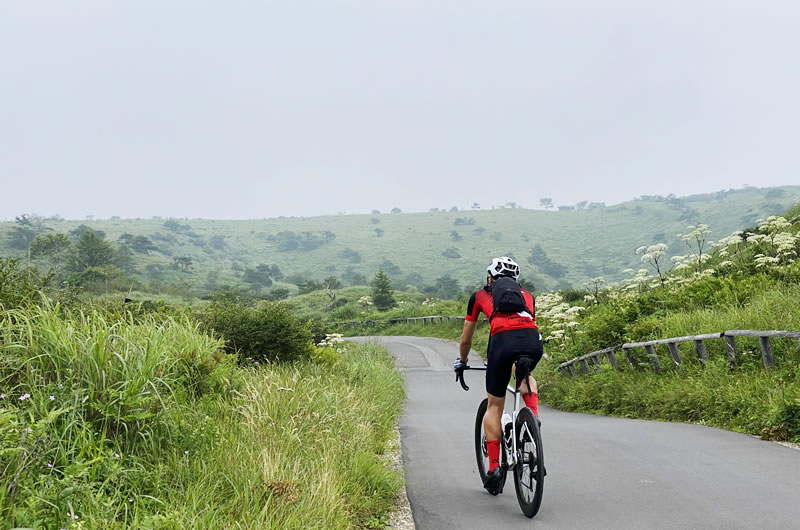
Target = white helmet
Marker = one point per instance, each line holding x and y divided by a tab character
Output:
503	266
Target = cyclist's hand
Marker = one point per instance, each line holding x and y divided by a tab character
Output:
459	365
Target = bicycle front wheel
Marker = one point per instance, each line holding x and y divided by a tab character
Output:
481	453
529	471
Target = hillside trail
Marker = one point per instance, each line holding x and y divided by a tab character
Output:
603	472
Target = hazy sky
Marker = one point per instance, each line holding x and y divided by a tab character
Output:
260	109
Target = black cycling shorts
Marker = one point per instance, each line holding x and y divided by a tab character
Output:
506	347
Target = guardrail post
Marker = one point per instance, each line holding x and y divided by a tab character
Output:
612	359
730	347
702	354
572	370
766	352
676	355
596	360
651	352
629	356
585	365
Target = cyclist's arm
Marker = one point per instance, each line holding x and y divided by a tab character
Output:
465	344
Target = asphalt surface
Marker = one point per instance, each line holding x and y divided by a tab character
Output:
603	472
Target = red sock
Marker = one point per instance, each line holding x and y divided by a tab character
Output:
532	402
493	448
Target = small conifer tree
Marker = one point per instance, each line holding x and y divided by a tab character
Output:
382	294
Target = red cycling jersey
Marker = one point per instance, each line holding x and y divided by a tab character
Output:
481	302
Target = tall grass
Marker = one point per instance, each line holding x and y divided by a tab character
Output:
147	423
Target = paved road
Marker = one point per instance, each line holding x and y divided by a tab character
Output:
602	472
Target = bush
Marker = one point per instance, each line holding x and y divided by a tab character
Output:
267	333
604	325
19	286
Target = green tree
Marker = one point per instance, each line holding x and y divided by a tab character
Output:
217	242
258	277
155	271
124	259
331	283
140	244
382	294
351	255
278	293
25	229
92	251
447	287
358	279
276	273
78	232
52	249
183	263
308	286
452	253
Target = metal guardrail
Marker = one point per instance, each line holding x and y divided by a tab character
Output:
440	319
672	344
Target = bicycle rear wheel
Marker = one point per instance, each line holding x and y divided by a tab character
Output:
529	471
481	453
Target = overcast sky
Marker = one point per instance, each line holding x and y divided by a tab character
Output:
261	109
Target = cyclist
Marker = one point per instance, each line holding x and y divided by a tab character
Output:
510	335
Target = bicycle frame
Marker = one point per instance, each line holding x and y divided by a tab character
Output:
511	452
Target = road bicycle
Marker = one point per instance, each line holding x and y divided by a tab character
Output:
521	449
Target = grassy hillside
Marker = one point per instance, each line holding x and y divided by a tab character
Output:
556	248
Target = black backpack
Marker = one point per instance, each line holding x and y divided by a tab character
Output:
507	297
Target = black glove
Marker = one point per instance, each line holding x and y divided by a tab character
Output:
459	365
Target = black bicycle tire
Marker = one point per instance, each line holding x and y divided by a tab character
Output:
482	466
482	470
531	508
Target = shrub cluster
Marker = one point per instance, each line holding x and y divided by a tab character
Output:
269	332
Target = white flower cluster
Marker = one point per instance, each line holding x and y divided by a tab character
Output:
331	339
559	317
774	241
335	341
636	280
697	241
429	301
365	301
652	253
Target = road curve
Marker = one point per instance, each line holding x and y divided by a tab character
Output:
603	472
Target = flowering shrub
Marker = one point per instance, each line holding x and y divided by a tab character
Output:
557	317
365	301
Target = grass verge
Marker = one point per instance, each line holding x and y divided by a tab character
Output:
758	402
108	423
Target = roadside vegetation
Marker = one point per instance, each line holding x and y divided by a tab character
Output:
146	416
747	280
